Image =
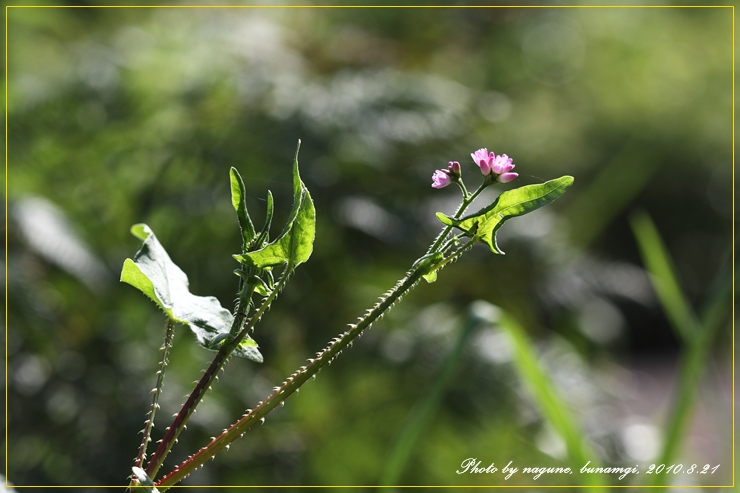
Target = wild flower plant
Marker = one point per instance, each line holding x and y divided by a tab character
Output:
265	266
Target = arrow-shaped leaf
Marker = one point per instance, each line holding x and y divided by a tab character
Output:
153	273
483	224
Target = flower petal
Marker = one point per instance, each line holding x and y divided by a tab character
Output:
507	177
482	159
440	179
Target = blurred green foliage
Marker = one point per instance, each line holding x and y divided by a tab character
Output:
121	116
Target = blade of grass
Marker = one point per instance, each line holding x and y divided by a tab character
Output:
550	403
691	369
662	274
423	411
698	337
615	186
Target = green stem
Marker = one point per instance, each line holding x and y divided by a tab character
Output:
451	241
169	333
467	200
243	309
301	376
208	377
463	188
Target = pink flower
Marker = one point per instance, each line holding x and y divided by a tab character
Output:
483	160
498	167
501	167
441	179
501	164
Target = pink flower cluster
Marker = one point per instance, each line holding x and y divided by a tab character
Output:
498	166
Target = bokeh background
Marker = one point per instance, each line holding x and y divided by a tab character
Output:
120	116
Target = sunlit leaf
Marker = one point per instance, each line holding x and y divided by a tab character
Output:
295	243
428	265
247	347
146	485
430	277
484	224
153	273
238	200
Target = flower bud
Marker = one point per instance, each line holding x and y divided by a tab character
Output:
453	168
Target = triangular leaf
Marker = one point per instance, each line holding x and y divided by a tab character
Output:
153	273
295	243
238	200
483	224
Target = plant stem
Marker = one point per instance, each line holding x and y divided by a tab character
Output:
301	376
451	241
296	380
467	200
169	333
463	188
173	431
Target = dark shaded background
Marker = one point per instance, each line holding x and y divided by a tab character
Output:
119	116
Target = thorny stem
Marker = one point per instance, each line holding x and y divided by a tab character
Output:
208	377
147	431
293	383
452	241
301	376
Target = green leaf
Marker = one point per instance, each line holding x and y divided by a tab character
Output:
265	233
146	484
238	200
663	275
295	243
247	348
483	224
698	337
431	277
153	273
428	265
141	231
